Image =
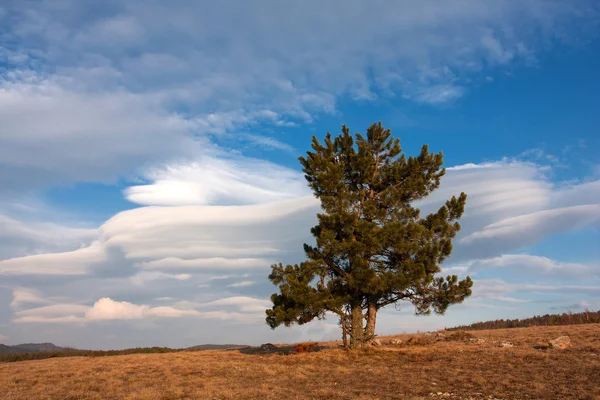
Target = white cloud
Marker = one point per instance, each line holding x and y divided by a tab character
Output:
50	135
495	189
222	277
438	94
269	142
238	300
96	96
511	205
237	244
528	229
209	232
18	237
213	263
219	181
243	303
144	277
77	262
537	266
498	289
107	309
56	313
241	284
502	215
27	296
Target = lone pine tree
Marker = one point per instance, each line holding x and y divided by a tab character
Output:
373	248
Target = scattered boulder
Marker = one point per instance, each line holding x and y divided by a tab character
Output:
476	340
439	336
561	342
268	347
506	344
376	342
395	342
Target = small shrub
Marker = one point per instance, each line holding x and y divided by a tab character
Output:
305	347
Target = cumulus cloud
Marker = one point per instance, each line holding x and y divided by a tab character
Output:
108	309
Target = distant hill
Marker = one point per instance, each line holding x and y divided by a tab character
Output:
218	347
29	348
38	351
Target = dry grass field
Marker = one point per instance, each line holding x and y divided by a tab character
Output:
425	368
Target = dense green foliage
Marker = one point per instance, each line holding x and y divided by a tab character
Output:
586	317
373	248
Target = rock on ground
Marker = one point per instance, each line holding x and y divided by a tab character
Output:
268	347
561	342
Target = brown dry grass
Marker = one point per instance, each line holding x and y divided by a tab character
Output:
456	368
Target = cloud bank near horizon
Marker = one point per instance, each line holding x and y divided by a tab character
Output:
209	262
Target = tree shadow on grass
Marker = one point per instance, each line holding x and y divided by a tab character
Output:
282	350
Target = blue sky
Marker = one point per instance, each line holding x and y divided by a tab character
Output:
148	156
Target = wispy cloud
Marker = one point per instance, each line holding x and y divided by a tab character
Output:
241	284
93	93
438	94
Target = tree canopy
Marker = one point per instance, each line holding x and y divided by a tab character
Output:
373	248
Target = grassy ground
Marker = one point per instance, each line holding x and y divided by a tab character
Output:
424	369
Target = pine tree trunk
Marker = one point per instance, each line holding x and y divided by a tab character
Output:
371	319
357	330
344	333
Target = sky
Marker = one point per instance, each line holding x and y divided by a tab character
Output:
149	170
